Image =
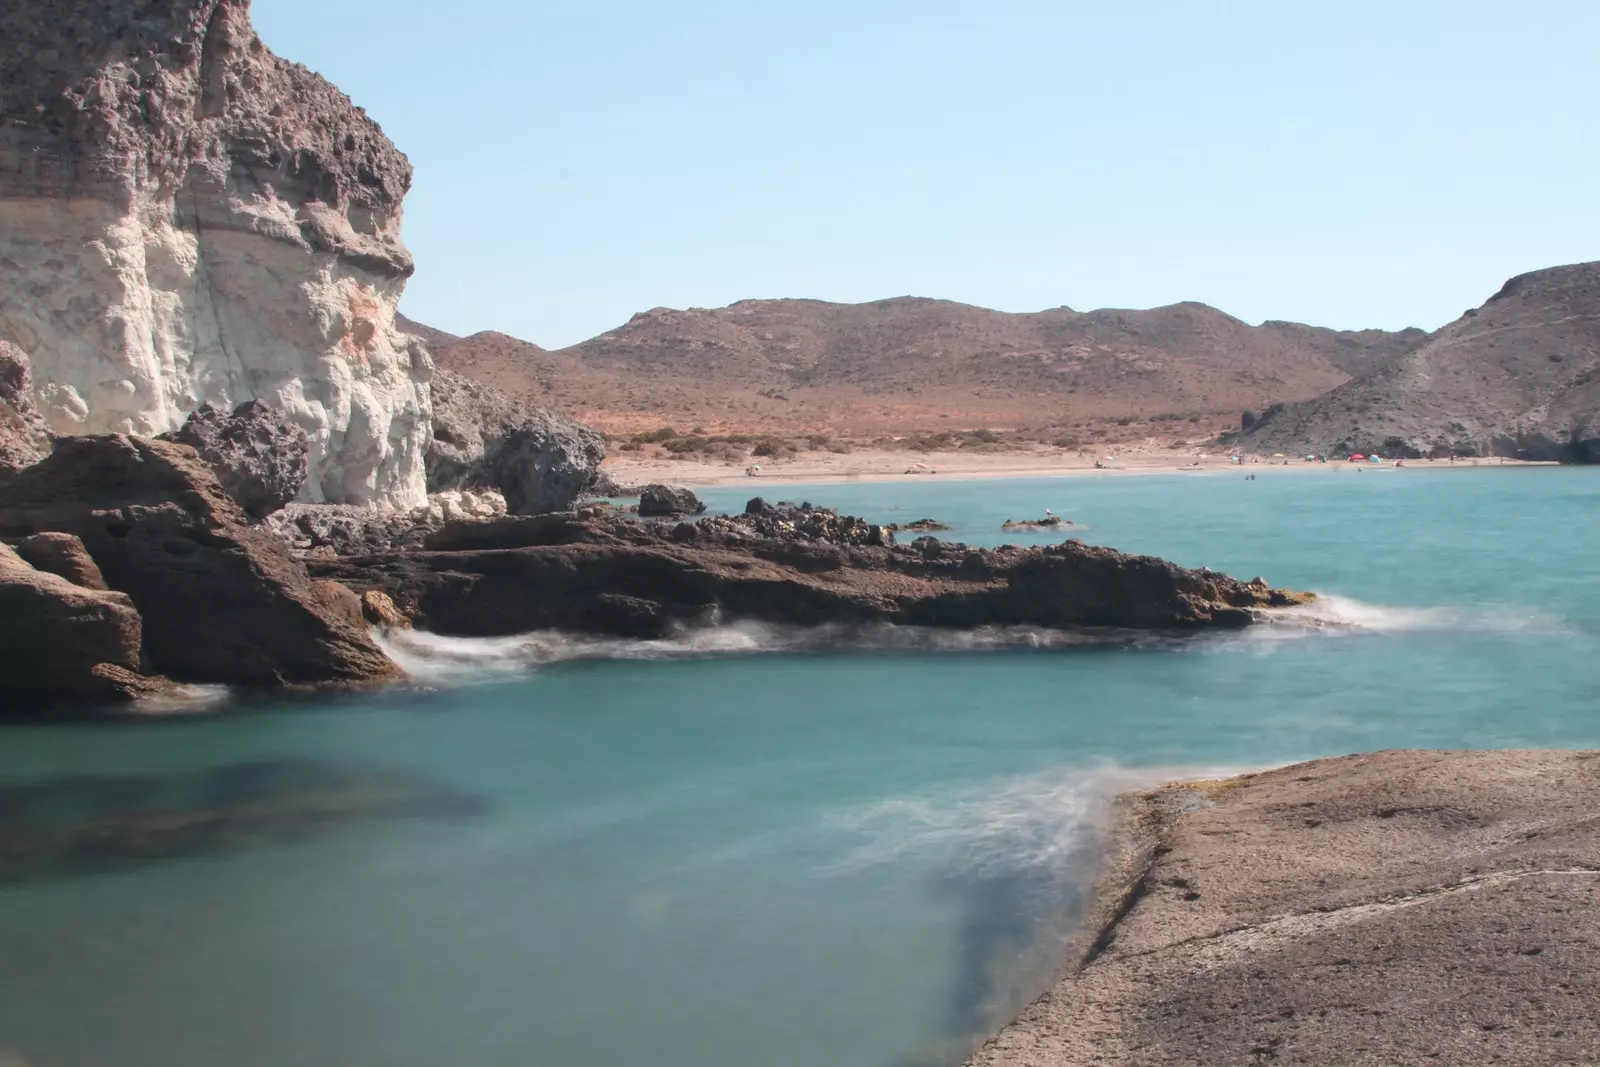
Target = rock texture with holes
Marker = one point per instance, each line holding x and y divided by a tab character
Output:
187	219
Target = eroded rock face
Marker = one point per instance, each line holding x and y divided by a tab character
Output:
63	644
669	500
62	554
258	455
187	219
484	439
222	601
24	438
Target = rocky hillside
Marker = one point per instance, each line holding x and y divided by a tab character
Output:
907	364
187	219
1519	377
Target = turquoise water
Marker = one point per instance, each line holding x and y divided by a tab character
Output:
762	846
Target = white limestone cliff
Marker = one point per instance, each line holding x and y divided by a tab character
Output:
187	219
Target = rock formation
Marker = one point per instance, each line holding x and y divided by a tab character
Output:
63	644
1518	377
659	500
258	455
806	567
221	601
24	439
1393	908
484	439
187	219
65	555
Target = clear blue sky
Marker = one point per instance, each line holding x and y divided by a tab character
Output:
1358	163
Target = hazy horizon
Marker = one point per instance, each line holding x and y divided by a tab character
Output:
1378	166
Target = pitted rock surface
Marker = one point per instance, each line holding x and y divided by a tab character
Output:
258	455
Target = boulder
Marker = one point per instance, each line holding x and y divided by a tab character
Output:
24	438
669	500
379	610
258	455
222	601
485	439
63	644
340	601
62	554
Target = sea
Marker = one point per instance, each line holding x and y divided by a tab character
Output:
747	845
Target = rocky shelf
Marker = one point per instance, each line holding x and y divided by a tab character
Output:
1398	907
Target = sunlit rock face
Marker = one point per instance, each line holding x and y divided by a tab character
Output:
187	219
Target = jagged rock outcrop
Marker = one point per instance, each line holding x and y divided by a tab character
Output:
24	438
259	456
660	500
187	219
604	574
63	644
484	439
1518	377
222	601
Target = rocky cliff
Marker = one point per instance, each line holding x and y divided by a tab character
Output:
1518	377
186	219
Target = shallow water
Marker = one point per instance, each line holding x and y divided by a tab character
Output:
754	845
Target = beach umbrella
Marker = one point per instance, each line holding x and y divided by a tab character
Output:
1277	455
1310	457
1357	457
1105	459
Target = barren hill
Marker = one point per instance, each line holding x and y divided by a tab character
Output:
910	365
1519	376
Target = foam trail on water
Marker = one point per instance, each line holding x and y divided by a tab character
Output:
440	660
444	660
1331	613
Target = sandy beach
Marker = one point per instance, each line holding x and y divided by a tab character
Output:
884	465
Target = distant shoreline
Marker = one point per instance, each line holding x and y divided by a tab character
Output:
887	466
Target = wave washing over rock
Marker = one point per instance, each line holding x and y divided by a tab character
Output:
187	219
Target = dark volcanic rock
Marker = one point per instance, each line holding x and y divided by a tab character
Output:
1394	908
259	456
24	439
63	644
805	566
657	500
484	439
222	601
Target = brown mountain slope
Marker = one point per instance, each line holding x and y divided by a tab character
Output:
432	337
1519	376
913	365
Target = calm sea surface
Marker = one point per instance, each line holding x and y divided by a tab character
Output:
753	846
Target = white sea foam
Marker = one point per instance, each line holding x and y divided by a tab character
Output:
1331	613
459	660
438	660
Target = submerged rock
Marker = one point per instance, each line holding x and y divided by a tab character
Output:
259	456
1049	522
222	601
658	500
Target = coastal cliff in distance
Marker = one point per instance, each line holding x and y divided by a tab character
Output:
187	219
1517	377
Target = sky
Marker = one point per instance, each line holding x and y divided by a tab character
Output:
1367	163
